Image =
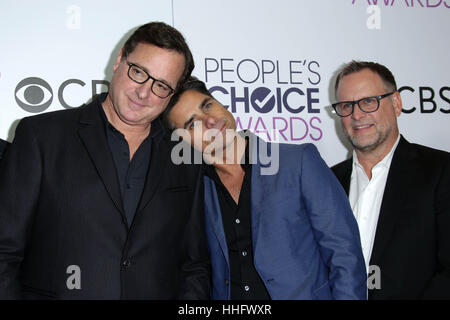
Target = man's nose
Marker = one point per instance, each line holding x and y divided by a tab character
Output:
145	89
357	112
211	122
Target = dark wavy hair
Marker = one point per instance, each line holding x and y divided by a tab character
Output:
192	83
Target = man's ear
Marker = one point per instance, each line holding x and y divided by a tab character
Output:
397	103
118	60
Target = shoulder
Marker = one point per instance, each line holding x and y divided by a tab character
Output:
424	167
305	156
288	152
55	121
422	155
296	149
49	118
431	153
54	128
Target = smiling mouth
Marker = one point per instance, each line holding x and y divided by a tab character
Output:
134	103
362	127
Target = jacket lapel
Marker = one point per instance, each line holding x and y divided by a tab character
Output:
213	215
260	184
159	158
93	136
394	197
212	205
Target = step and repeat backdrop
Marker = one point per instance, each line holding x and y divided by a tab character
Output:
272	63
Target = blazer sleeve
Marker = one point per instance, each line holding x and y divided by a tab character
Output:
20	176
334	226
196	274
439	285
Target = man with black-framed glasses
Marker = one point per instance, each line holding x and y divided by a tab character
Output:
398	190
91	205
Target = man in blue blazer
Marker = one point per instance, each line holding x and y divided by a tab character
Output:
278	224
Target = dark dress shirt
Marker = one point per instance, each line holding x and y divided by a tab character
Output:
131	174
245	281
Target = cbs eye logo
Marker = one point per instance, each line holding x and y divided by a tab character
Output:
33	94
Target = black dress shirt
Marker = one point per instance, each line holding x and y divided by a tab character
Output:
245	281
132	174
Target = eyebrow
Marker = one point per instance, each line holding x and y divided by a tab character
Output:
200	106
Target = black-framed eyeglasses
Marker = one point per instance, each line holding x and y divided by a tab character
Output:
139	75
367	105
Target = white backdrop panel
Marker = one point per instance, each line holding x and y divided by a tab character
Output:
407	36
272	62
63	40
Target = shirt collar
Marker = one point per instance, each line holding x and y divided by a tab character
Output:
209	169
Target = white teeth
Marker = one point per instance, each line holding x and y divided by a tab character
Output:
362	127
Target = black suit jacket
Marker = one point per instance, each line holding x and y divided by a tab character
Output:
3	145
412	241
61	206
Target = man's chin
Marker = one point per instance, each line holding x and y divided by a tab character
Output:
364	145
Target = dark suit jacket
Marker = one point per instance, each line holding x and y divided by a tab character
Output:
61	206
3	145
412	242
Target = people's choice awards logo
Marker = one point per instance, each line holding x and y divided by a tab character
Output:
33	94
262	100
276	99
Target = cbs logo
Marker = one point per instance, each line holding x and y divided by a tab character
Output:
35	95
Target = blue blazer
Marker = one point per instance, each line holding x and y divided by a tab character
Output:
305	238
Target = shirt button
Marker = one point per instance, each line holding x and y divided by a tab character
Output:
238	221
226	282
246	288
244	253
126	263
